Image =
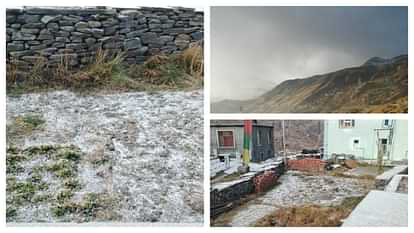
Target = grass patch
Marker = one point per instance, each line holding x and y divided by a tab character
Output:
63	168
310	215
63	164
24	125
93	206
343	175
108	72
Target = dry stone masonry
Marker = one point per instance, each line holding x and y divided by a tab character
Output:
75	34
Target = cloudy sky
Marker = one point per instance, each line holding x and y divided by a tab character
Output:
255	48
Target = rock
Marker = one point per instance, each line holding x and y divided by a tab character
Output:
134	34
18	54
71	58
68	28
109	22
148	37
45	34
132	43
97	33
94	24
29	30
53	26
33	59
11	47
28	18
16	25
137	52
10	19
23	36
75	46
110	30
33	25
49	18
89	41
197	35
38	47
166	39
80	25
167	25
130	13
154	26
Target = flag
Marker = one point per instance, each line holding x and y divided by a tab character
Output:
247	141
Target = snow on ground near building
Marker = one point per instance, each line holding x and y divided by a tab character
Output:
296	189
154	142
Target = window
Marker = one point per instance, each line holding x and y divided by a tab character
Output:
345	124
225	138
384	141
259	140
387	123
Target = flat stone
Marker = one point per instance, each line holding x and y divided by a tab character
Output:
197	35
33	25
16	25
18	54
33	59
89	41
110	22
23	36
29	30
53	26
97	33
50	18
132	43
79	25
380	209
28	18
148	37
94	24
11	47
68	28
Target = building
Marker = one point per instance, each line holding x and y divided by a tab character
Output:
226	137
365	138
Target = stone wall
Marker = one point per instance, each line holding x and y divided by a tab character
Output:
75	34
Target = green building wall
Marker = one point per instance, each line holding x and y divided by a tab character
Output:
367	134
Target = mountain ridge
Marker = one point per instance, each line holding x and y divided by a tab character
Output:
378	85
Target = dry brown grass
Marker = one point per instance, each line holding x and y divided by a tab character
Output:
107	72
98	72
310	215
193	60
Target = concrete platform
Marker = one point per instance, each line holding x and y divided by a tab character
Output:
380	209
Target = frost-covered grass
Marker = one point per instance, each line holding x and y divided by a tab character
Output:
48	178
129	157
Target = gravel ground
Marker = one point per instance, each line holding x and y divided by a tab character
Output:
296	189
154	142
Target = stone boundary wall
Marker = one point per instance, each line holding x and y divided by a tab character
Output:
75	34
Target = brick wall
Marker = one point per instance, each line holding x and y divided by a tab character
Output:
308	165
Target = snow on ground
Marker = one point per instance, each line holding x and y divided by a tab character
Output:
154	142
296	189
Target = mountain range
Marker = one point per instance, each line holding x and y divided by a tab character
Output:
379	85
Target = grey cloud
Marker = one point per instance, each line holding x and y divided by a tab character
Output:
255	48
